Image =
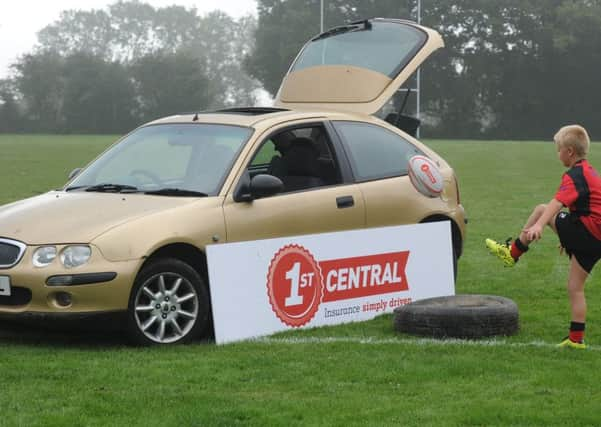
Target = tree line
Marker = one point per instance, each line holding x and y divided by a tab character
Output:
106	71
510	69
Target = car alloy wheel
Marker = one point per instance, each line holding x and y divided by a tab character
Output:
169	304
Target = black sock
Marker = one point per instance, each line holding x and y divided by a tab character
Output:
522	247
576	331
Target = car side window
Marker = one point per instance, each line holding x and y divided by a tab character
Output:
375	152
300	157
265	154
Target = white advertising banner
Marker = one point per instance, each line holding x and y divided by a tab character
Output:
266	286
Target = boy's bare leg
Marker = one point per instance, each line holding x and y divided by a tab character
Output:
576	281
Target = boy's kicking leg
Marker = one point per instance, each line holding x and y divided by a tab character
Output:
576	281
509	252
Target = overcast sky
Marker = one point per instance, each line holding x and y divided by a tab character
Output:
20	20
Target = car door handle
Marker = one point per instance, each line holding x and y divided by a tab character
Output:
345	202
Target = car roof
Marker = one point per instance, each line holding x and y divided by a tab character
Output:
256	116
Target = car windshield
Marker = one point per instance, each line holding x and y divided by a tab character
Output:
384	47
169	160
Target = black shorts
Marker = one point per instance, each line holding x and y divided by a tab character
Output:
577	240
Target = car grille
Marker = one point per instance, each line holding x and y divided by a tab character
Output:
18	296
11	252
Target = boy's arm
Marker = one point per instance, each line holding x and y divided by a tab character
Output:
535	232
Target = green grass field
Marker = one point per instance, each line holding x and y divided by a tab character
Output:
359	374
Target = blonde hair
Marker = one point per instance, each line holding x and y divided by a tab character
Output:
574	136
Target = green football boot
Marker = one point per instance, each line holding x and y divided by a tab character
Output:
568	343
502	251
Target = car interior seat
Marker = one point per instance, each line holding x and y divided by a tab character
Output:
299	166
276	167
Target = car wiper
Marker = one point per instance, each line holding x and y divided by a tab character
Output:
112	188
75	187
353	26
179	192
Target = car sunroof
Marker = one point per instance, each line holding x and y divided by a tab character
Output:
252	111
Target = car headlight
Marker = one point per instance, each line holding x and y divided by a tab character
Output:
76	255
43	256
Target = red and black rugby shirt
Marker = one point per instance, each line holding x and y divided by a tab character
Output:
580	191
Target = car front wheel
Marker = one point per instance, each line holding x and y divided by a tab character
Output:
169	304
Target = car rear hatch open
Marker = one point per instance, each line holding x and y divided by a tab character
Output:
356	67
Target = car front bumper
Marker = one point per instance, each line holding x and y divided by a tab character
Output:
97	287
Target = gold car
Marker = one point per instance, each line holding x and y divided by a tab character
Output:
128	233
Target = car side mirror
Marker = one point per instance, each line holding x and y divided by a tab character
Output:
264	185
74	173
261	185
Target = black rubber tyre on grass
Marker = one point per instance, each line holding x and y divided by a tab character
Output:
458	316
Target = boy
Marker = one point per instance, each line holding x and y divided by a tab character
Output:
579	230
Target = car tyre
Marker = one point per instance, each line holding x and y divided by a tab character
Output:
169	304
458	316
455	264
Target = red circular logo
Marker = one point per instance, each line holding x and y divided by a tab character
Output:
294	285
